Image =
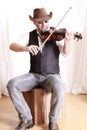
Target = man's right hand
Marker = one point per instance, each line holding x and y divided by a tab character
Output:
33	49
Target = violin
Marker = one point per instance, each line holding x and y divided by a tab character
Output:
59	35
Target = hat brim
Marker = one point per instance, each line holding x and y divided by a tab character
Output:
45	18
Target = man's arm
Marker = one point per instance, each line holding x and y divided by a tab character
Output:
68	41
20	44
18	48
33	49
65	45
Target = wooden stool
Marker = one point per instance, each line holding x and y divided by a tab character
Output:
39	103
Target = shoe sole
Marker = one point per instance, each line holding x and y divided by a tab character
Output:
28	127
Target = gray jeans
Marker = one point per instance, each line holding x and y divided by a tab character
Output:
51	83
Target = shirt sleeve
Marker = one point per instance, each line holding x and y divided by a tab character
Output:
60	45
23	40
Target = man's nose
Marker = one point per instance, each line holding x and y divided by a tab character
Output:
43	23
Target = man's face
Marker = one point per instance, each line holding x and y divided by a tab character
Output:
42	26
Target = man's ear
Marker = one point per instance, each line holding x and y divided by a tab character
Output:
35	22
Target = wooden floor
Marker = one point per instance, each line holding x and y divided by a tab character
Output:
74	114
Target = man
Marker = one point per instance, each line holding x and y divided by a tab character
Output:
44	71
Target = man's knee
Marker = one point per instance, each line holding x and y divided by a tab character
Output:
10	85
59	90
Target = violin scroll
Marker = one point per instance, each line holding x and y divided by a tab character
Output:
77	36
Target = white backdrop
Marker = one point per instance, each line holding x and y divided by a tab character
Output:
14	22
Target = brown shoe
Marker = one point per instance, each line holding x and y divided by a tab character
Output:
53	126
24	125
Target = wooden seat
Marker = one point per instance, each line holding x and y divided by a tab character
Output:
39	103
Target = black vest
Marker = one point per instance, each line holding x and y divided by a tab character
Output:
46	62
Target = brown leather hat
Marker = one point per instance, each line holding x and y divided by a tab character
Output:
40	14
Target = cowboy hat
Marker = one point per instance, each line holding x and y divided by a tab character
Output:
40	14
